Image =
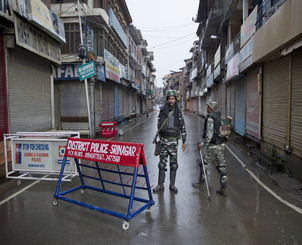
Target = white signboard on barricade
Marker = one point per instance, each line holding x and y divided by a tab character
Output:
39	153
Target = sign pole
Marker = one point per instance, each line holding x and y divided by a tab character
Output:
86	85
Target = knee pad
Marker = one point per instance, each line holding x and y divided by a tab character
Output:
173	166
221	170
161	166
224	180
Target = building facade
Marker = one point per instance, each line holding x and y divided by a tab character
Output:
250	54
30	45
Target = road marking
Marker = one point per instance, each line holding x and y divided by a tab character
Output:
297	209
19	192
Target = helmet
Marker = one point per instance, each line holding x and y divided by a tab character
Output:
213	105
171	93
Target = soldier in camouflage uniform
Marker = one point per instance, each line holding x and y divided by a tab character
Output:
214	146
170	133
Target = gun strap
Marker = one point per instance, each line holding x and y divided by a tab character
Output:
164	122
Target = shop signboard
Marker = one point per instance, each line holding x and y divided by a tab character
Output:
86	70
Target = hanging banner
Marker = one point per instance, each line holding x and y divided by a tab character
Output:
112	66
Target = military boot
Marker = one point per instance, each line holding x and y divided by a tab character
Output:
172	181
222	191
161	179
201	179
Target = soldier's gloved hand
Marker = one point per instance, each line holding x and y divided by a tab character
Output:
200	146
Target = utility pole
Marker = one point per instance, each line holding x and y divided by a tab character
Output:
86	85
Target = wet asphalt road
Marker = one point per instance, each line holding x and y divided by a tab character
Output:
250	214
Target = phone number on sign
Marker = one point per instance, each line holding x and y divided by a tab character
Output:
102	157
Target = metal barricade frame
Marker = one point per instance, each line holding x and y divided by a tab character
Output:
138	159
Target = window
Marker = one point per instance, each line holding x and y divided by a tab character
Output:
99	4
72	34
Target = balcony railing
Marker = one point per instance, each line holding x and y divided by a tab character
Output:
266	10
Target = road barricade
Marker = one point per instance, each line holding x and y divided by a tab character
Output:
119	159
108	129
38	155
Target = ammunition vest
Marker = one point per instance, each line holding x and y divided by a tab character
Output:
171	127
215	115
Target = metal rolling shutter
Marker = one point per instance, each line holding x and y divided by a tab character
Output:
240	105
74	113
275	101
116	100
252	104
296	107
110	92
203	106
231	101
222	98
3	114
121	100
97	103
28	91
105	101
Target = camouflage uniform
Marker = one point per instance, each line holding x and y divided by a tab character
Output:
168	147
215	150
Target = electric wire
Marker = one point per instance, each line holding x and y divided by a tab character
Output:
173	40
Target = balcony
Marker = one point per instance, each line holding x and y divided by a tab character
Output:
278	31
267	9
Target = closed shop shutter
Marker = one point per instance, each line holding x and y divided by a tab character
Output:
97	103
3	109
121	101
111	100
105	101
252	104
240	105
296	111
195	104
73	105
203	106
116	100
28	91
190	105
222	98
275	101
230	87
130	102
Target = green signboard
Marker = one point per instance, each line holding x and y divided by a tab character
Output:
86	70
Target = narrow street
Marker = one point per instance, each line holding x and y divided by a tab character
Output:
259	209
